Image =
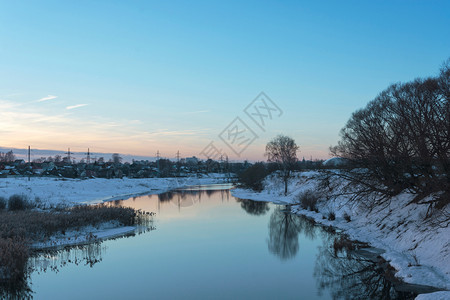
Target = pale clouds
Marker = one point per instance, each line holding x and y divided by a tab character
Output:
49	97
58	127
76	106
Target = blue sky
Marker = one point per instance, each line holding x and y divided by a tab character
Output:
140	76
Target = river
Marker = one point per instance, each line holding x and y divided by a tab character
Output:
206	244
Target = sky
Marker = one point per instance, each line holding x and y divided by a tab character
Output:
137	77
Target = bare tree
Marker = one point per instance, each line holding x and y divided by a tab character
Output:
116	159
401	141
282	150
9	157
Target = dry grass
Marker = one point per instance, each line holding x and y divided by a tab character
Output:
19	202
13	259
2	203
331	216
343	243
32	224
308	200
20	228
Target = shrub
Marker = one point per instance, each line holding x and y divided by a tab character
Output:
331	216
347	217
308	200
2	203
253	176
18	202
343	243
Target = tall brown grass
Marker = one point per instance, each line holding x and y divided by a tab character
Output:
20	228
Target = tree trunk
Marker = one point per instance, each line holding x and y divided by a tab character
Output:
285	186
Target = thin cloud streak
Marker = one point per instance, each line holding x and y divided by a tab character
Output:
49	97
75	106
53	128
194	112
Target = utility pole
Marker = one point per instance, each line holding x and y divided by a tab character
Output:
88	157
68	155
29	161
178	163
157	162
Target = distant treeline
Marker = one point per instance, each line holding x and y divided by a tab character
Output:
253	176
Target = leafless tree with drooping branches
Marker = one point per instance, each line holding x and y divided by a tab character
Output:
401	142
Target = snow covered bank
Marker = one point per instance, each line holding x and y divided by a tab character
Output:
51	192
84	236
434	296
419	253
54	191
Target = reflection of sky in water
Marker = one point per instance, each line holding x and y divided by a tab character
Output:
210	245
216	248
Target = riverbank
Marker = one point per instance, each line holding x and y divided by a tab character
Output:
25	228
47	193
51	214
51	192
420	253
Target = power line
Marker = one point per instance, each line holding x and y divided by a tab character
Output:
68	154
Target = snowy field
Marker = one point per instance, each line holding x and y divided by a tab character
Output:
55	191
420	254
52	192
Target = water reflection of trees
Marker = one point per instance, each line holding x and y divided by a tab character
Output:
256	208
351	275
186	198
284	229
181	197
184	194
54	259
347	274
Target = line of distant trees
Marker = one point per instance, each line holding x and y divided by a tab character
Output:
10	157
7	157
401	141
114	167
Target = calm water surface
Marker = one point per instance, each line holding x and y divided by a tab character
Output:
207	244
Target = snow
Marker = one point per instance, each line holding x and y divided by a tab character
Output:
421	255
434	296
334	162
51	192
58	191
86	235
